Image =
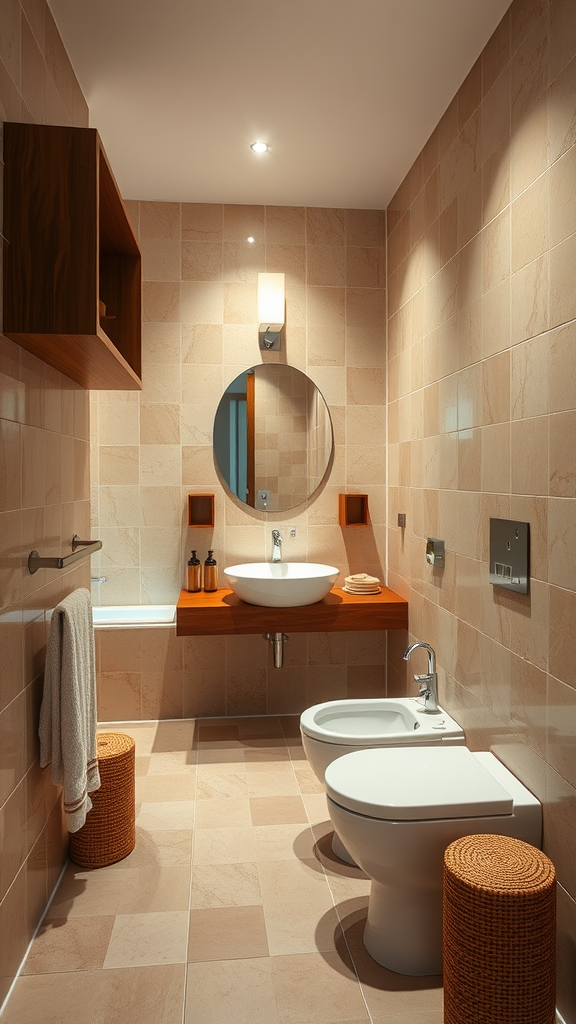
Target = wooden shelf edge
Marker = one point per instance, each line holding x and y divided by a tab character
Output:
90	360
224	614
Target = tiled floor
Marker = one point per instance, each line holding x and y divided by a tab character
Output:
231	909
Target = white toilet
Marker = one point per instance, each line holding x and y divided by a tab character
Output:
338	727
396	810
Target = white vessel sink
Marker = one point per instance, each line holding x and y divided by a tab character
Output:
281	584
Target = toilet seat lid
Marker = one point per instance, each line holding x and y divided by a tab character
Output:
415	784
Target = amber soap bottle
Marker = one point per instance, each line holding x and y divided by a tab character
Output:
194	575
210	574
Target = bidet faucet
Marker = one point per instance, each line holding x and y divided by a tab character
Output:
429	682
276	546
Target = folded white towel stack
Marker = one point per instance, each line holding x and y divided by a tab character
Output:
362	583
68	713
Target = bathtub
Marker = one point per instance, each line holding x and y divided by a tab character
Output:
134	616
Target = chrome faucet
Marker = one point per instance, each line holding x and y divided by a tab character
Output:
428	683
276	546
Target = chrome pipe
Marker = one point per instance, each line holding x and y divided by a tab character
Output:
277	640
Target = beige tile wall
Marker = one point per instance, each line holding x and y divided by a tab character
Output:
482	411
44	500
151	449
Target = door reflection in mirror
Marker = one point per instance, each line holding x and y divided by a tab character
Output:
272	437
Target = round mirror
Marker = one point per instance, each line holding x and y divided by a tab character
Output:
272	437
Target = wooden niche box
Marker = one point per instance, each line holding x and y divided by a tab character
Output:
201	510
353	509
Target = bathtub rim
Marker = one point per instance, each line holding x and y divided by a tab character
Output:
133	616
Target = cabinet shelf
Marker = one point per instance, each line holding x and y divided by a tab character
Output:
72	266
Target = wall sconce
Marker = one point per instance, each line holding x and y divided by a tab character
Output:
270	310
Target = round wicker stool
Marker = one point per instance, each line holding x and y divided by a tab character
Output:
109	833
499	932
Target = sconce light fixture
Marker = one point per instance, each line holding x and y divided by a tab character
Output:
270	310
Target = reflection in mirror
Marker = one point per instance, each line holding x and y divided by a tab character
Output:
272	437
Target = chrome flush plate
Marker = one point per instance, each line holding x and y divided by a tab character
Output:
509	554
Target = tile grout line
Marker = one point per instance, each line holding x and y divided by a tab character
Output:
195	740
342	932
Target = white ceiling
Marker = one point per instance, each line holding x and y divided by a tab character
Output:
345	92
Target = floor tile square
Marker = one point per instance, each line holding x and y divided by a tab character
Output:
227	933
277	810
62	946
231	992
171	814
220	812
225	885
317	987
278	781
140	940
216	785
136	995
206	733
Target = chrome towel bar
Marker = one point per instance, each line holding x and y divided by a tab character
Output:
87	548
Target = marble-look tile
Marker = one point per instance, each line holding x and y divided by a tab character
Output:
277	810
172	814
283	842
151	889
168	848
164	787
300	916
387	993
218	812
223	990
225	846
227	933
312	988
141	940
279	781
152	995
225	885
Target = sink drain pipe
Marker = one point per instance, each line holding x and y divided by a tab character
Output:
277	640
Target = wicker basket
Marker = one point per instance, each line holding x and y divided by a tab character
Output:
109	833
499	932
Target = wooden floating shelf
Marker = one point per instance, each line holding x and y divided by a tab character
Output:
223	613
353	509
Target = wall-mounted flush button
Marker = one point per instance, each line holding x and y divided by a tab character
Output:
402	519
509	551
435	551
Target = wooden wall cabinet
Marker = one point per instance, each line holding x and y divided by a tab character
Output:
72	266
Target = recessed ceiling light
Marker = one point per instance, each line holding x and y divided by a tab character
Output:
250	239
259	147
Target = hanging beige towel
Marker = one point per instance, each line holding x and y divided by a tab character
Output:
68	713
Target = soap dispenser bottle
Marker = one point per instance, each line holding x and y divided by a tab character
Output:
194	575
210	574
